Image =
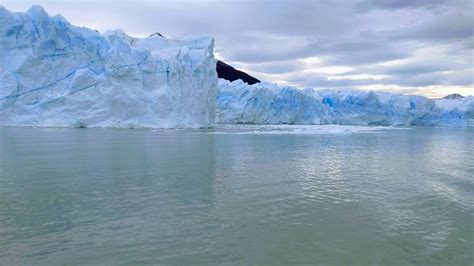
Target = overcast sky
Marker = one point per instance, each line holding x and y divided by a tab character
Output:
408	46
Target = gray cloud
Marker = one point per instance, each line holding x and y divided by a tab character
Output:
322	82
460	78
432	38
369	5
277	67
362	53
455	25
412	68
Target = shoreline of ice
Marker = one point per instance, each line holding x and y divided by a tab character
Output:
268	103
54	74
243	129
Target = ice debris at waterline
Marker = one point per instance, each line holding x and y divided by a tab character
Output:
230	129
55	74
266	103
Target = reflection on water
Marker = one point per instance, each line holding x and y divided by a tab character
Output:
237	195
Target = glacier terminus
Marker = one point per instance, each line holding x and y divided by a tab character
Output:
268	103
55	74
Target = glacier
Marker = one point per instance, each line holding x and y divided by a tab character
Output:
59	75
268	103
55	74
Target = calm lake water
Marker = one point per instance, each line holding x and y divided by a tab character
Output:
237	195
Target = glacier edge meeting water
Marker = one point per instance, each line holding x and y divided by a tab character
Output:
221	168
267	103
55	74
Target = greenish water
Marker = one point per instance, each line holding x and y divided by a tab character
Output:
237	195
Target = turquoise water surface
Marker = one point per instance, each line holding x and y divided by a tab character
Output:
251	195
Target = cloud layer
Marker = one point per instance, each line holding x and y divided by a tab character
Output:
424	46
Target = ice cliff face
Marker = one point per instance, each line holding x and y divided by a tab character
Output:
55	74
266	103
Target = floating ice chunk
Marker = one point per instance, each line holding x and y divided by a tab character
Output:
295	129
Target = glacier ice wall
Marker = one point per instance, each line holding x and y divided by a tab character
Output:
55	74
266	103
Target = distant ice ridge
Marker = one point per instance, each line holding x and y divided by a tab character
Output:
267	103
55	74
